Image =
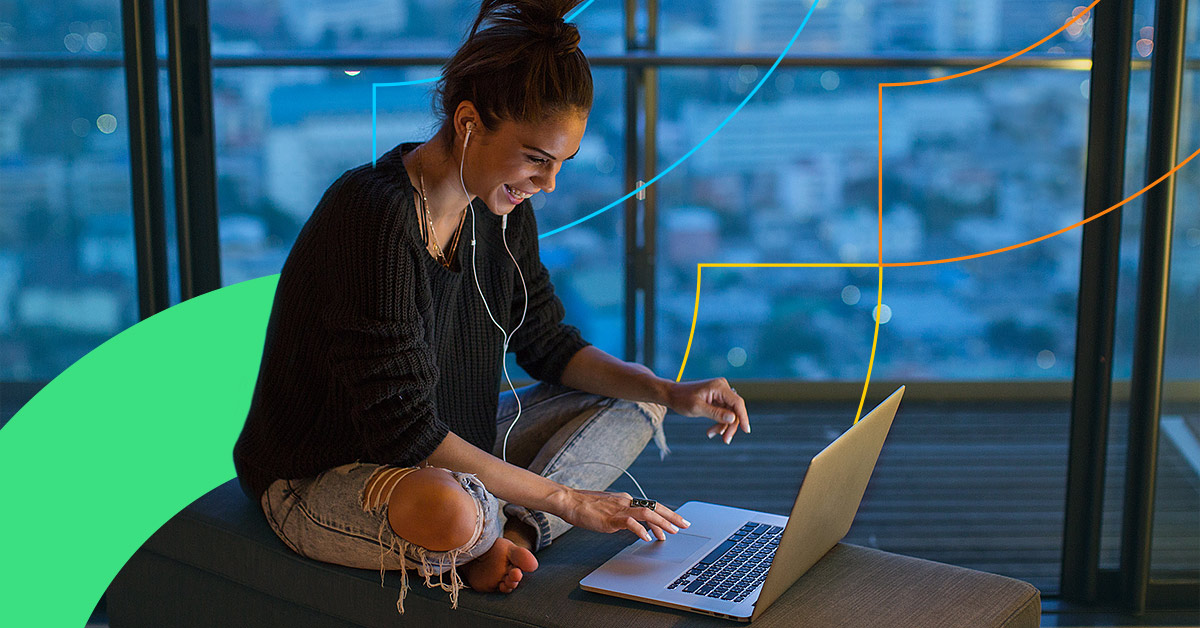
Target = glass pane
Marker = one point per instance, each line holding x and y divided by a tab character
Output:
78	28
587	261
867	27
168	158
1176	540
375	27
67	266
284	135
970	165
1183	313
1143	29
1176	530
1193	30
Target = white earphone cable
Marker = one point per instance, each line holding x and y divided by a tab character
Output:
474	273
627	474
509	335
504	364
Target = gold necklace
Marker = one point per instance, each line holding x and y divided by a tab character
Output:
443	257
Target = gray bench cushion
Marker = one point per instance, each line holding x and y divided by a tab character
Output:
217	563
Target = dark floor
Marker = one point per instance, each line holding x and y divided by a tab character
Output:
1165	619
979	485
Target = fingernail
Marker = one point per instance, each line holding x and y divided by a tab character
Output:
711	434
687	524
673	528
729	418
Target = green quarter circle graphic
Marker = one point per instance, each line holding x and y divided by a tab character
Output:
118	443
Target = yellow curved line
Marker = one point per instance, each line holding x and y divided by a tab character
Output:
878	308
874	342
879	232
691	334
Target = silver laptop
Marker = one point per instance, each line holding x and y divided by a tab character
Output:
734	563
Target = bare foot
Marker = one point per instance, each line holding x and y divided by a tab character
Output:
500	568
520	533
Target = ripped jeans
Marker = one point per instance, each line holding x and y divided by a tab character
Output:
578	439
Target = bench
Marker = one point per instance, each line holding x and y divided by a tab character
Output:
216	563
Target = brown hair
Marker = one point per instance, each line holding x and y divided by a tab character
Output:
525	66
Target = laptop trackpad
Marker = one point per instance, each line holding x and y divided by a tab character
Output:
677	547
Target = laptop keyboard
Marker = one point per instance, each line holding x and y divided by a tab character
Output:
736	567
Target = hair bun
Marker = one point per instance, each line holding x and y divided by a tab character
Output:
560	34
524	66
564	36
542	18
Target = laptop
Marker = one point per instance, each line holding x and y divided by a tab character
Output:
734	563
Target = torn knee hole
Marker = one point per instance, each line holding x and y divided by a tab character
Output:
432	510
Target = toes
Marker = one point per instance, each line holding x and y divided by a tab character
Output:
512	578
510	582
522	559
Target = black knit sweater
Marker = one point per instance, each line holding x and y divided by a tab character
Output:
374	349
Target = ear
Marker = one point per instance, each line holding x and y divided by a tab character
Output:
466	118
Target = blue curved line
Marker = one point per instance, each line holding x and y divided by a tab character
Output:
702	142
570	16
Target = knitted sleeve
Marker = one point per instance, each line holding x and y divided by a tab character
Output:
380	354
543	344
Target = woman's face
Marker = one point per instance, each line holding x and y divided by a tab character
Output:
516	160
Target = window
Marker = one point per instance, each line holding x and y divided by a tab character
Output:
67	268
970	165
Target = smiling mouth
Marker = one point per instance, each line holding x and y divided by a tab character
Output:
515	193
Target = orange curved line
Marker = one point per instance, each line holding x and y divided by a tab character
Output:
880	265
879	176
1048	235
1005	59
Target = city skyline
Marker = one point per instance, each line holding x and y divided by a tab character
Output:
284	134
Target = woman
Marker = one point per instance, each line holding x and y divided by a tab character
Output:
376	432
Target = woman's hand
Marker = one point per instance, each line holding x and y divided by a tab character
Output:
715	399
602	511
